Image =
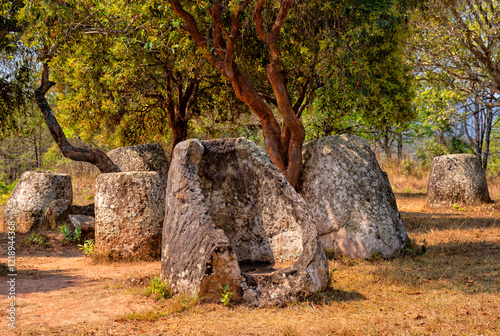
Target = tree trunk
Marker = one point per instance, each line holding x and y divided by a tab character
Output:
386	144
487	136
37	164
179	134
440	138
478	144
94	156
400	148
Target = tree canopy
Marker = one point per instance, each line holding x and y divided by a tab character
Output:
127	72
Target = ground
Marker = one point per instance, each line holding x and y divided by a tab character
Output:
452	289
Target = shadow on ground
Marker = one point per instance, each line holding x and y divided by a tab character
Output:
410	195
471	267
332	295
38	281
423	222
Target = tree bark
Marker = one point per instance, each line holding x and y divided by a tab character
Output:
487	136
37	165
94	156
400	148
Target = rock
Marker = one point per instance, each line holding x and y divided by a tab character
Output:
148	157
129	210
31	196
86	210
350	198
56	214
232	219
85	223
456	178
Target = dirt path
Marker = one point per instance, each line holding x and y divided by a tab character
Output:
451	290
63	287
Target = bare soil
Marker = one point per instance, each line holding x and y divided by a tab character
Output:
452	289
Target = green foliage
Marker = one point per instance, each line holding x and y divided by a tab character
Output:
69	236
407	167
16	72
6	190
428	151
451	48
36	239
127	88
368	89
158	289
87	248
53	158
226	295
436	107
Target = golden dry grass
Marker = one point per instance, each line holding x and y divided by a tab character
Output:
414	180
453	289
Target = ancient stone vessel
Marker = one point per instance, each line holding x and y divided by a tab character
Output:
456	178
147	157
232	219
350	198
129	209
31	196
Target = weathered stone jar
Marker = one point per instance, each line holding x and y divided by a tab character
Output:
232	219
350	198
456	178
34	191
147	157
129	209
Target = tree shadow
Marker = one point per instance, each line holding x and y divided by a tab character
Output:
410	195
471	267
52	248
423	221
331	295
41	281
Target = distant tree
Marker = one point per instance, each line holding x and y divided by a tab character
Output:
16	73
456	44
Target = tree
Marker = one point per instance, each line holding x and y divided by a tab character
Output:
133	83
456	45
123	71
295	37
42	35
275	56
16	73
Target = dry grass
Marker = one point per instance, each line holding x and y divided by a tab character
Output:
412	180
84	185
453	289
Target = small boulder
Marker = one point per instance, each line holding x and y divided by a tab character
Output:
456	178
233	220
147	157
56	214
31	196
350	198
85	223
129	210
